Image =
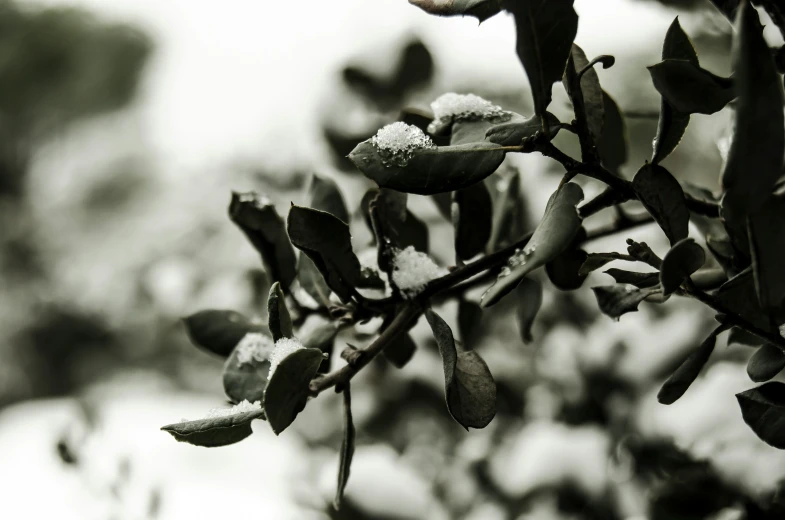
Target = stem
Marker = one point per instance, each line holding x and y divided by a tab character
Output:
342	376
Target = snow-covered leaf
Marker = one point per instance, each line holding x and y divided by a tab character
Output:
245	370
553	235
255	215
220	430
287	391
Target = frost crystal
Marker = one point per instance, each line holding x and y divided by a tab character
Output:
283	347
398	141
463	107
260	201
243	407
254	347
412	270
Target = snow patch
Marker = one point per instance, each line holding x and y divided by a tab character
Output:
283	348
399	141
254	347
452	107
243	407
412	270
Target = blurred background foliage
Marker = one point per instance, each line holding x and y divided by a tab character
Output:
107	238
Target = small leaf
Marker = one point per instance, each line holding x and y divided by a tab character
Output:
663	197
327	242
515	131
469	386
347	448
215	431
245	379
471	215
754	161
763	409
688	371
690	89
672	124
565	271
546	30
555	233
469	318
278	319
587	99
325	196
765	363
612	145
218	331
766	229
528	300
256	217
430	170
639	280
287	391
683	259
617	300
481	9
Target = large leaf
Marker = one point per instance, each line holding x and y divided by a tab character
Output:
430	170
755	157
617	300
555	233
683	259
546	30
763	409
612	145
663	197
215	431
472	212
587	99
347	448
482	9
690	89
278	319
327	242
766	229
218	331
672	124
287	391
528	300
765	363
256	217
678	383
469	386
325	196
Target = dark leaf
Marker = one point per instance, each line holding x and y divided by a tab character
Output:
594	261
556	231
617	300
472	212
587	100
766	229
327	242
565	271
755	157
765	363
257	218
287	391
469	318
528	300
612	146
738	295
546	30
683	259
739	336
325	196
509	219
245	371
216	431
429	170
371	279
663	197
482	9
690	89
639	280
763	409
672	123
469	386
312	281
514	132
322	338
688	371
218	331
278	320
347	448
